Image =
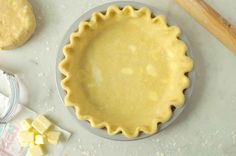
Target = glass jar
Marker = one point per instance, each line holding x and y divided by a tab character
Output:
8	105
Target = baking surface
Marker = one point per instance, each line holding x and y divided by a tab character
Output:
206	127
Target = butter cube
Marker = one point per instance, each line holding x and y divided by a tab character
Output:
31	144
25	138
53	137
24	144
26	124
39	139
36	150
41	124
33	131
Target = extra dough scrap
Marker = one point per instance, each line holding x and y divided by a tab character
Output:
17	23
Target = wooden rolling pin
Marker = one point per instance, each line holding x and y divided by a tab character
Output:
212	21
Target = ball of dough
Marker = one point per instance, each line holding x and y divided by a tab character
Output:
17	23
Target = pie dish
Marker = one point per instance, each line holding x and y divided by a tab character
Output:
124	70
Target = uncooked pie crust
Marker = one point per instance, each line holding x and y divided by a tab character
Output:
124	69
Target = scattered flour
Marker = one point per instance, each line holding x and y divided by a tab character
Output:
41	74
233	134
160	153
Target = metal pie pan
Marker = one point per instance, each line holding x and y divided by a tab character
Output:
102	132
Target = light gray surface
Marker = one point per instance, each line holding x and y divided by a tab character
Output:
206	127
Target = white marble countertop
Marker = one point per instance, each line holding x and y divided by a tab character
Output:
206	127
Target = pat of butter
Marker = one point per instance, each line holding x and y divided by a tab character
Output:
36	150
32	144
25	137
26	124
24	144
41	124
53	137
39	139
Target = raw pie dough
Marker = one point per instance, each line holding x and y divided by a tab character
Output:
17	23
124	70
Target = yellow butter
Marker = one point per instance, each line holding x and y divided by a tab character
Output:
25	137
27	144
26	124
39	139
36	150
36	134
33	130
32	144
24	144
41	124
53	137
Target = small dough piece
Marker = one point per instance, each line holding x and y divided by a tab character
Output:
17	23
